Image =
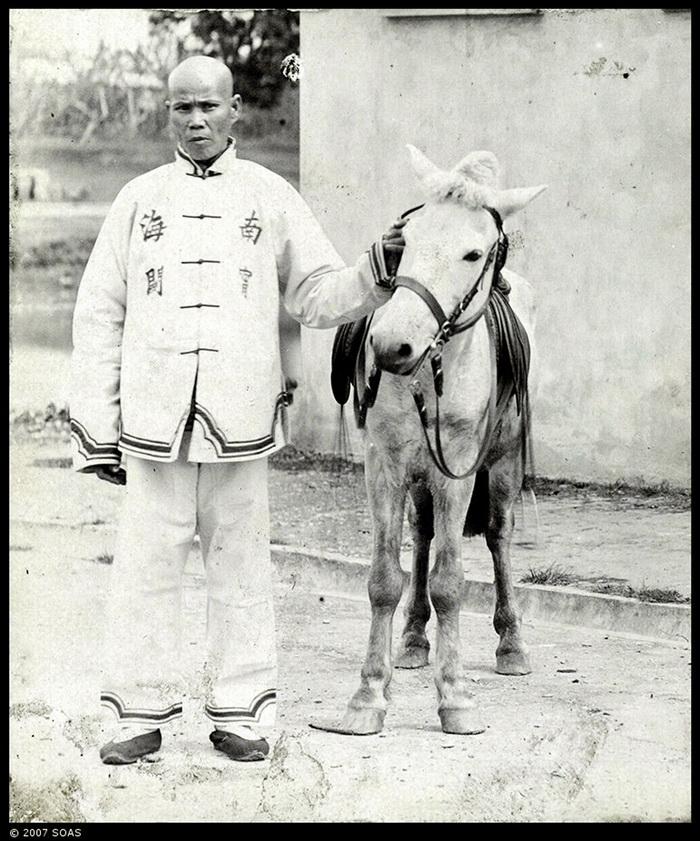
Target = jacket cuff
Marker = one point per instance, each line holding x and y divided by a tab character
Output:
379	270
89	452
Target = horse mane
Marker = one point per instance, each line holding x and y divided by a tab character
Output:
472	182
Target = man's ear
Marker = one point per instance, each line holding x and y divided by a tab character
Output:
236	105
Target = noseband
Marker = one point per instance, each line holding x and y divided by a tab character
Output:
449	326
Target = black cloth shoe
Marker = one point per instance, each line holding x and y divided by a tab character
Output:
238	747
131	750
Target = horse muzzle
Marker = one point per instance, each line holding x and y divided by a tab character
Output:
394	357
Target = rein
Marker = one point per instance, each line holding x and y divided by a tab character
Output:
449	326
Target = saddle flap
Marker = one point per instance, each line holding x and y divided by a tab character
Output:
512	349
346	348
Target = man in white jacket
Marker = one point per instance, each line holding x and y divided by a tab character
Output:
178	393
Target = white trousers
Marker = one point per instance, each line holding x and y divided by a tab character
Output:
165	506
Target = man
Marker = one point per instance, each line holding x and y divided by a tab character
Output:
178	393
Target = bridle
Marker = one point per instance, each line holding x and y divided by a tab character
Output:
449	326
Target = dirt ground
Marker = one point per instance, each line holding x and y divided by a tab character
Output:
599	732
599	536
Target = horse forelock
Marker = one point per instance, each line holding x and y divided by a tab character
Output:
473	182
455	186
482	167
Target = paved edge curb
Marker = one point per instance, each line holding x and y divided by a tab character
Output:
537	602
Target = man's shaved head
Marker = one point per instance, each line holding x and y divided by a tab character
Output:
202	70
202	106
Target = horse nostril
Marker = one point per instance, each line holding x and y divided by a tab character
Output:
404	350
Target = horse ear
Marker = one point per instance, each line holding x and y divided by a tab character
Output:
507	202
422	167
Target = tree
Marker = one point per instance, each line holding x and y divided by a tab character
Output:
117	93
253	44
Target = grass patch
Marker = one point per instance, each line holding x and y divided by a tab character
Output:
655	595
61	463
558	576
58	252
293	460
104	558
52	420
554	575
633	494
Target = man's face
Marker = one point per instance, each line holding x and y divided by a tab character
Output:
202	112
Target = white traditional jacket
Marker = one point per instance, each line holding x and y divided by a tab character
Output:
177	312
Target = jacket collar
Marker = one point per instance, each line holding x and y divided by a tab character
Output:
222	164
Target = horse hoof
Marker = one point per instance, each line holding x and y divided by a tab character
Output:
362	722
342	728
465	722
513	663
412	658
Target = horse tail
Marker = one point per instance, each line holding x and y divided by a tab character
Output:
478	511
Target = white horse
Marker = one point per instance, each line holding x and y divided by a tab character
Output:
438	421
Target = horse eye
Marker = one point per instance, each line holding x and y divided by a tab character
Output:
473	256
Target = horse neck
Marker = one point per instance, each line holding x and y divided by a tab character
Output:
468	371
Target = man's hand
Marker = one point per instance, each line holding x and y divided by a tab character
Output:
393	244
109	473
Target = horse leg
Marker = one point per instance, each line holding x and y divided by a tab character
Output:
456	705
414	646
367	707
505	481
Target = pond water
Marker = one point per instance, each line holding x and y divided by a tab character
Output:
41	326
41	304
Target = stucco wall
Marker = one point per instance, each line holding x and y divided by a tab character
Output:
595	103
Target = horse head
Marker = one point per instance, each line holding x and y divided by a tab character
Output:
450	258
